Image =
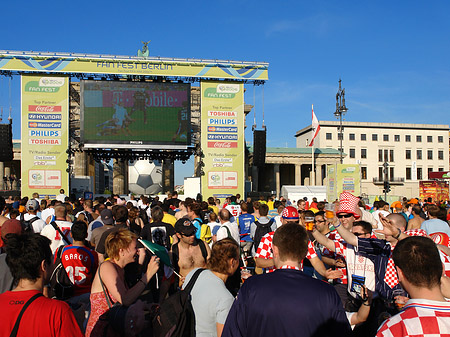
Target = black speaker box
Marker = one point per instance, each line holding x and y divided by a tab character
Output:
259	147
6	147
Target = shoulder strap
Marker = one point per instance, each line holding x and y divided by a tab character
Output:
56	227
192	281
16	325
108	301
228	232
22	217
175	258
202	244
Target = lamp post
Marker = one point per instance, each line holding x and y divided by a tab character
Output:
341	109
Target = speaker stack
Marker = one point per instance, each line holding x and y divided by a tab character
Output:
259	147
6	146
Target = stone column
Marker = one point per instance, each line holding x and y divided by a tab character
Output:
168	184
7	174
298	174
119	176
277	179
80	164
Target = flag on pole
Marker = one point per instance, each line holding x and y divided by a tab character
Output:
315	127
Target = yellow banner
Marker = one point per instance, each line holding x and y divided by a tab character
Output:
222	129
45	113
348	178
134	66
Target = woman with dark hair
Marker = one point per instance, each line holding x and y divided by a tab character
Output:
109	284
211	307
135	223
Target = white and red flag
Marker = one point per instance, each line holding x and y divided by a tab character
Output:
315	127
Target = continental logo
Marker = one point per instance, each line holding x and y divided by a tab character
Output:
45	84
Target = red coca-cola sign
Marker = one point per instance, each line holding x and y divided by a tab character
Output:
222	145
44	108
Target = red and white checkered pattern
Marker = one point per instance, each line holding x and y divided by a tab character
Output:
341	246
390	277
265	251
286	266
446	262
422	318
416	232
348	203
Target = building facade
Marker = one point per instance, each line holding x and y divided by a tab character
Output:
410	151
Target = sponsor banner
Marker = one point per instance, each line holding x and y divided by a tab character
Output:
348	178
45	106
44	117
222	129
222	121
44	125
149	66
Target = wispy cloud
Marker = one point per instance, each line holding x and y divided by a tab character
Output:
317	25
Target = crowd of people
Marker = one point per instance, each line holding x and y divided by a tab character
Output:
263	267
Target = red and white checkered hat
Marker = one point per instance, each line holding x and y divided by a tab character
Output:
441	239
290	213
348	203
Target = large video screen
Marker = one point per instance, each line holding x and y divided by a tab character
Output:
116	114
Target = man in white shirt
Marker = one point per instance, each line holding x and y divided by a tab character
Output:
54	235
233	229
61	197
48	213
31	217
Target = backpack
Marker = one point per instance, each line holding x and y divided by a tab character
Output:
60	282
205	231
27	224
261	230
175	317
143	215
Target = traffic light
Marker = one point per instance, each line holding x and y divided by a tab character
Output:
387	187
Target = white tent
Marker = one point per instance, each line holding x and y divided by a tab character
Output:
293	192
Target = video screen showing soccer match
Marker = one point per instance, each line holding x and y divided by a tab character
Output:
135	114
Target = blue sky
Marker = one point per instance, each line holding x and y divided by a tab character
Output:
392	56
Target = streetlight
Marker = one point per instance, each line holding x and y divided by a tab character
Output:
341	109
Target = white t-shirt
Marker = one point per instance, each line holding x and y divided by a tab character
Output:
222	233
37	225
61	197
54	235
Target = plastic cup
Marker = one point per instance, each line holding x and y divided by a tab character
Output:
309	223
329	211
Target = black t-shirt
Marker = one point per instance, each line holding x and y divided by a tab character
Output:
158	232
101	249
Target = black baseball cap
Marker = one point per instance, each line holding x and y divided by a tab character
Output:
184	226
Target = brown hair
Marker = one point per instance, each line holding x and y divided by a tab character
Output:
221	252
118	240
291	241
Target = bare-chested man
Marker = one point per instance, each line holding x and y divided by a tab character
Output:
417	220
189	252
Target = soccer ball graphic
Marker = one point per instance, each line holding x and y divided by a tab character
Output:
144	177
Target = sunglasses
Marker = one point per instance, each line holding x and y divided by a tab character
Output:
340	216
359	234
320	221
185	235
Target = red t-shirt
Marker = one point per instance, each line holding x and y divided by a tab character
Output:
80	264
44	317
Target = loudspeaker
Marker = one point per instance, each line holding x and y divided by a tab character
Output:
259	147
6	147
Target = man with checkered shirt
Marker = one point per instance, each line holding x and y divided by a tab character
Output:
419	270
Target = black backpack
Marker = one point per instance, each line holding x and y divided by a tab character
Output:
176	317
261	230
60	283
143	215
27	224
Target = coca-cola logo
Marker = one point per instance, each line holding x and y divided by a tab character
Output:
222	145
44	108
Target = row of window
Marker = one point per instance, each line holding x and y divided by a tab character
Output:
388	155
351	136
408	175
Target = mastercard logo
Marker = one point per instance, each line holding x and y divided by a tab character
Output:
32	125
211	128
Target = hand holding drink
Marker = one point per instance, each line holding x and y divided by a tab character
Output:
245	274
309	223
329	211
